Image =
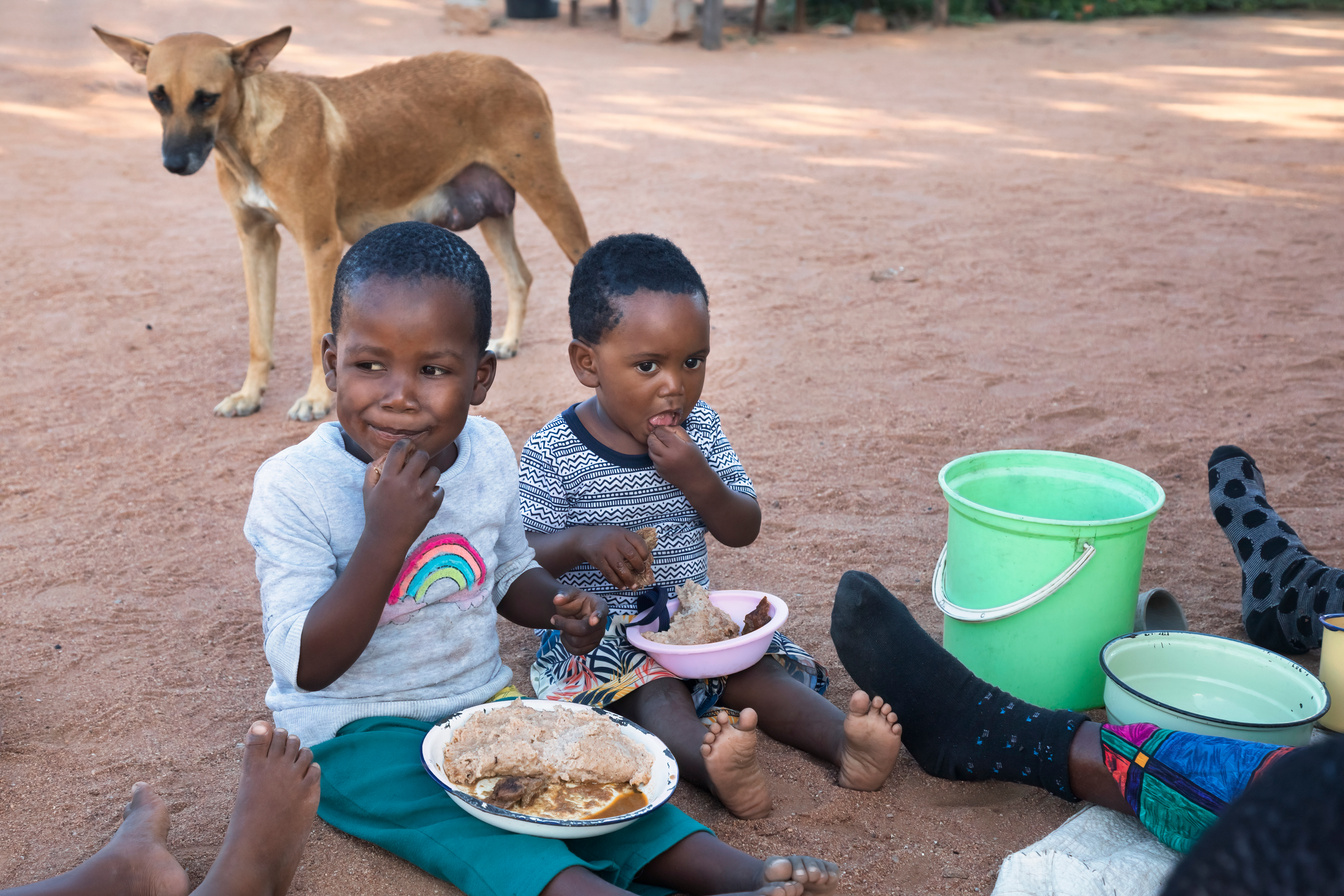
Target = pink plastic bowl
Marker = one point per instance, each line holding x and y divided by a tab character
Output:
722	657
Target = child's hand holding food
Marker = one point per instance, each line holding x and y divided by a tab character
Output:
677	458
581	619
401	494
620	555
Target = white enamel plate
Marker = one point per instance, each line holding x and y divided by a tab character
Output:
658	790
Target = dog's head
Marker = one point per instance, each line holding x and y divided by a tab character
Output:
195	83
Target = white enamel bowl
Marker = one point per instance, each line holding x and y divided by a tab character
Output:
658	790
721	657
1207	684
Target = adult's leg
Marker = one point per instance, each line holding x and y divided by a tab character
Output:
959	727
272	815
954	724
1282	836
135	862
1284	589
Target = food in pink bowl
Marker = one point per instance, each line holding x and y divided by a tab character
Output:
721	657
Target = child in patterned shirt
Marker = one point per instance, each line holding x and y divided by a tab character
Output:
644	451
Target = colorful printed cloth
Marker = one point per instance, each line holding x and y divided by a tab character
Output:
1178	783
615	668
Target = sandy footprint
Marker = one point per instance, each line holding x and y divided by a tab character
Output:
735	776
872	743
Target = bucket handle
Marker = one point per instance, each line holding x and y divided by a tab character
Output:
966	614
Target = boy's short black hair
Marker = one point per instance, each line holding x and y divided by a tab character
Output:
411	250
619	266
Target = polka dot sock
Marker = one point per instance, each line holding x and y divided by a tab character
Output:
1284	589
955	725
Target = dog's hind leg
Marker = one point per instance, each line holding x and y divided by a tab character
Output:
537	176
498	233
554	203
261	249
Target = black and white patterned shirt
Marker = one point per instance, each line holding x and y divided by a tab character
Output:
568	478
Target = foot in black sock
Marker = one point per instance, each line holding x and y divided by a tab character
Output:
955	725
1284	588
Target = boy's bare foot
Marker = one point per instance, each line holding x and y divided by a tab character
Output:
735	776
872	743
815	875
272	815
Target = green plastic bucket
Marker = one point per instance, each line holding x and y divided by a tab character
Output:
1041	568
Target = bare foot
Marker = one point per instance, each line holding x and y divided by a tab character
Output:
139	848
135	861
272	815
872	743
815	875
735	776
775	888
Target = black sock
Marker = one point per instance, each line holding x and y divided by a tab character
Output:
955	725
1284	588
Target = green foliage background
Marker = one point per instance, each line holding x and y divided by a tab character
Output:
904	12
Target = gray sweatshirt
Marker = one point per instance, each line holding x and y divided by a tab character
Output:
435	650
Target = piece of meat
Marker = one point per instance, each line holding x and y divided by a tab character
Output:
515	791
697	621
644	578
757	617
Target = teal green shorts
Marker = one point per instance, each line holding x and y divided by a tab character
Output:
375	787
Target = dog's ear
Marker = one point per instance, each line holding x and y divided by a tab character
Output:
135	52
254	55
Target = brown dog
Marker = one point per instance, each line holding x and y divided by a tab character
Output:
445	138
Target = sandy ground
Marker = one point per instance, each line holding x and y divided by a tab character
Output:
1122	239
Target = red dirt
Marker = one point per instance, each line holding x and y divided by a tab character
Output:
1121	239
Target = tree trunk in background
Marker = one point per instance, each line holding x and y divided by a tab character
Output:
940	13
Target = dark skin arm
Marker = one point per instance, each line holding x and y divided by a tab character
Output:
619	554
537	600
731	517
399	501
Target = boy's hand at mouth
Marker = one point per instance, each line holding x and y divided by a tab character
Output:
677	458
401	495
616	552
581	619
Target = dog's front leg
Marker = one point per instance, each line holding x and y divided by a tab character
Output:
261	249
321	256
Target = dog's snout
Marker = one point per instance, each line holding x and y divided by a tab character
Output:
186	155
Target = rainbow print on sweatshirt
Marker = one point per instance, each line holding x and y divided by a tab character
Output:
444	567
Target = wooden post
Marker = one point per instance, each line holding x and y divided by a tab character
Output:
711	25
940	13
758	21
615	9
574	13
800	15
